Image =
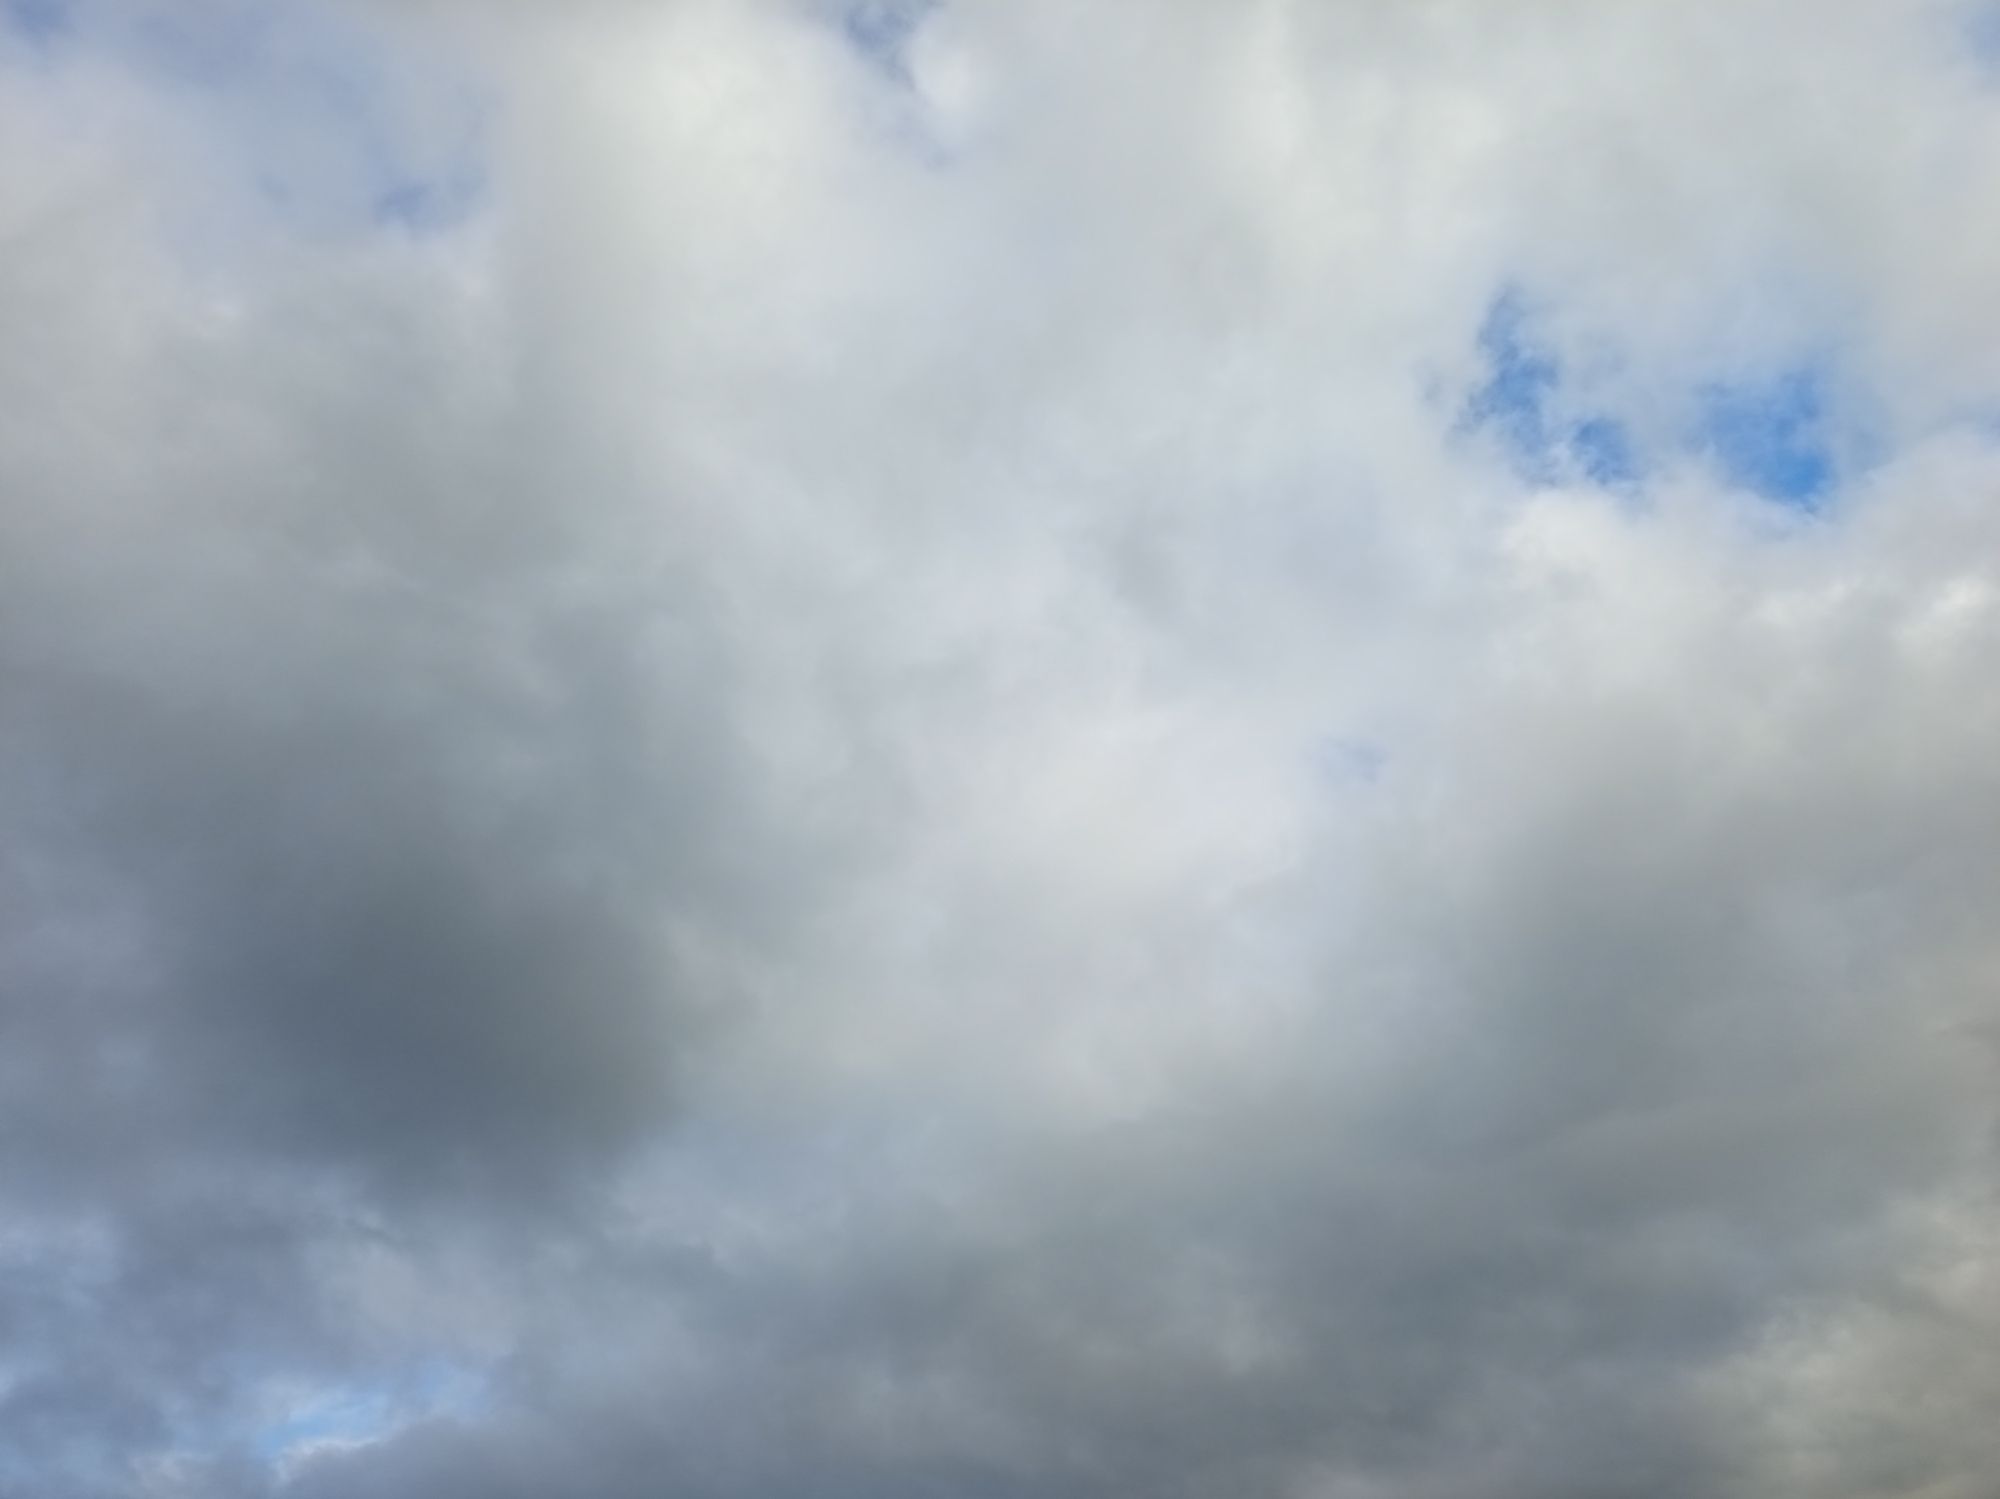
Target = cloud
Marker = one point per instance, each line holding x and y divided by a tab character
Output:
985	749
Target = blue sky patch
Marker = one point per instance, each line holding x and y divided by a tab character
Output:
366	1411
1777	432
341	129
880	30
1982	36
880	34
346	1415
1521	404
327	125
1771	435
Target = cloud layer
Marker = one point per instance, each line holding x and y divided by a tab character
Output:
752	749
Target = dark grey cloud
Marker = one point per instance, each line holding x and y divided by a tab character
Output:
358	838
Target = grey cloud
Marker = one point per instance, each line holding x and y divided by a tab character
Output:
681	838
364	838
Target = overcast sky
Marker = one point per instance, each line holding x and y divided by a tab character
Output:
999	749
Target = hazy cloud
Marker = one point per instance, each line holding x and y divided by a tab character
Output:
767	749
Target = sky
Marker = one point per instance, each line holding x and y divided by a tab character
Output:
885	749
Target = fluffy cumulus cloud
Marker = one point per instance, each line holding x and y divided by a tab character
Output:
778	748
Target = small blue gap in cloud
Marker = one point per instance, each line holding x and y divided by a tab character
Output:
1519	405
1514	400
352	1414
1345	760
1771	435
880	34
39	21
1980	27
431	205
423	186
336	131
366	1411
1603	449
880	30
